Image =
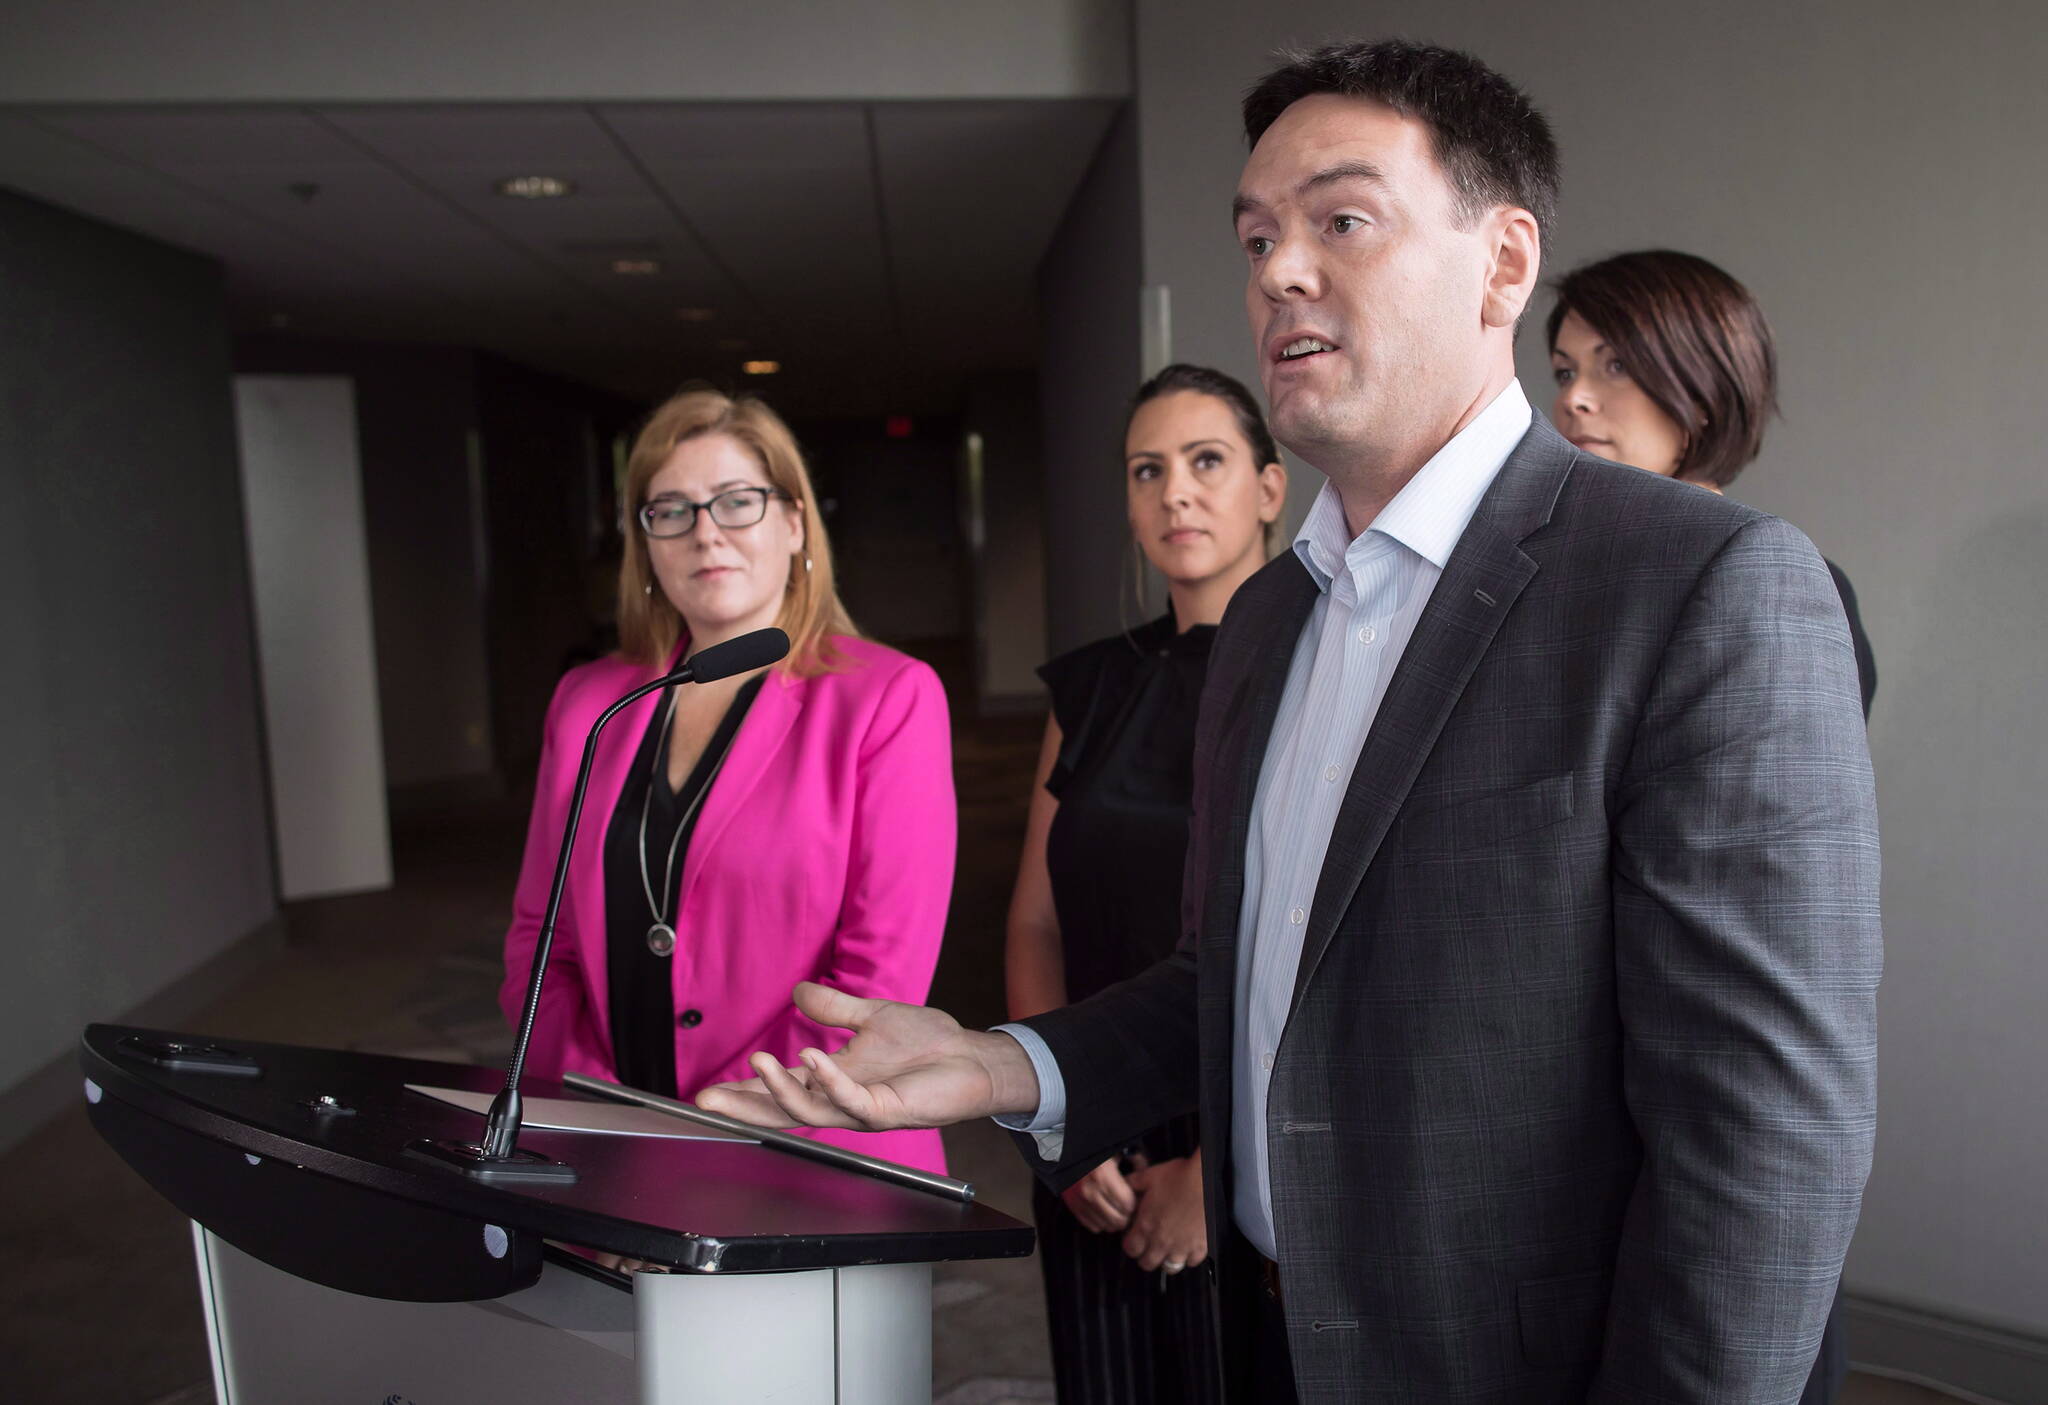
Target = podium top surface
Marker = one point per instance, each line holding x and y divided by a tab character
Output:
696	1205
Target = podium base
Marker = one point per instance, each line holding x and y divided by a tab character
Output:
852	1336
520	1168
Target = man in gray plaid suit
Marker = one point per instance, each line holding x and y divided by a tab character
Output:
1528	984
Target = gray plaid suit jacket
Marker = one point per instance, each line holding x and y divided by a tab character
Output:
1577	1092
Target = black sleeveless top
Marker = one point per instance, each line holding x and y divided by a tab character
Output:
1125	782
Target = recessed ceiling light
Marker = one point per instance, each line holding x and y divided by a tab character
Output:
760	368
636	268
695	314
536	187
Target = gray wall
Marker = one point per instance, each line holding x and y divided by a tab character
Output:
136	847
1875	178
1088	308
658	50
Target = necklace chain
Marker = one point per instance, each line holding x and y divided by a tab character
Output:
659	911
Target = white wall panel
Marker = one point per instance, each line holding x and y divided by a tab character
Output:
302	484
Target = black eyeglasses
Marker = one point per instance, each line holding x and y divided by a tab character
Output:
735	507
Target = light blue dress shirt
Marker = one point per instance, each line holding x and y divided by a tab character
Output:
1370	592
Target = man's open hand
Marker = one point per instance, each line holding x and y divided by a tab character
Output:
906	1066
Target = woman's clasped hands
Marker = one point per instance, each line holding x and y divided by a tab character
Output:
1157	1209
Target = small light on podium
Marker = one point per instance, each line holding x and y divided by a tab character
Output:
760	368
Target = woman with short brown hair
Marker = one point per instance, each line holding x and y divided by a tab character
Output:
1664	361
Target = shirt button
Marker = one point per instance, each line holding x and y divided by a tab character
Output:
1266	1059
1366	634
690	1019
1297	917
1329	773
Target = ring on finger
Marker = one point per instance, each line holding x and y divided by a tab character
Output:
1174	1265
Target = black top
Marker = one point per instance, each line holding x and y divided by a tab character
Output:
1125	781
642	992
1866	662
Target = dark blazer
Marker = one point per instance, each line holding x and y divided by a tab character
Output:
1577	1094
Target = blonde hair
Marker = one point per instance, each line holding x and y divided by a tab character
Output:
649	626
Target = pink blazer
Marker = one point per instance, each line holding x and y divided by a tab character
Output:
824	851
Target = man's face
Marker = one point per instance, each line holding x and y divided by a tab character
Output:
1364	294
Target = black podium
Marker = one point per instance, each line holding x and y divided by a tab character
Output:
338	1265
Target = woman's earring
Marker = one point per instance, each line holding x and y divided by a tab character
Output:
647	589
1138	591
807	563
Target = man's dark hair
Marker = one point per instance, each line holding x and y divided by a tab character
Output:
1494	146
1695	341
1204	381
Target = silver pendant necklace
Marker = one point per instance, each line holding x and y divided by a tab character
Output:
661	937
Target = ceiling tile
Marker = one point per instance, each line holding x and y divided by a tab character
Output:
766	213
183	138
974	191
758	135
513	139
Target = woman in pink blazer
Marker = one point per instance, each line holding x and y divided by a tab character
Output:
738	837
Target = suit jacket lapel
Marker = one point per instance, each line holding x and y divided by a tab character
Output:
760	736
1479	585
1246	730
1249	681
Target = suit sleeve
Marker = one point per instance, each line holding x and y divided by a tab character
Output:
1128	1056
562	1008
1747	953
899	878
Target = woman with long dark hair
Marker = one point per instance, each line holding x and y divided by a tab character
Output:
1098	888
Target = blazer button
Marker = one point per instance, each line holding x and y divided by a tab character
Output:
690	1019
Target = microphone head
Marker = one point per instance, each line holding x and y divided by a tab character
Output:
741	655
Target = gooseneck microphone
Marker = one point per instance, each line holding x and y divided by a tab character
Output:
497	1157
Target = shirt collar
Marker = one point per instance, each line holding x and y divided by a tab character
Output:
1433	509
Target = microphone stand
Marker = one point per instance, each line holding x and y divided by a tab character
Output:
497	1156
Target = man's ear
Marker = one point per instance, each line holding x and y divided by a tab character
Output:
1516	260
1272	491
